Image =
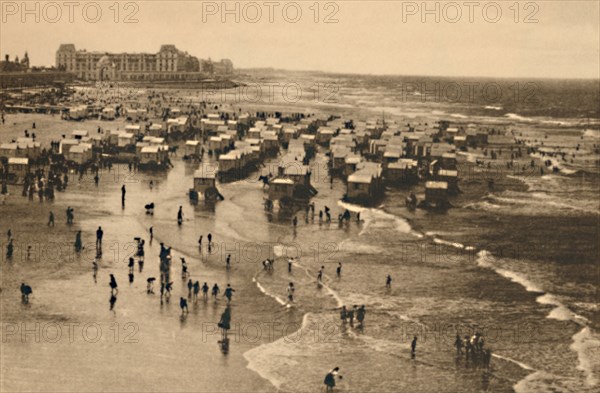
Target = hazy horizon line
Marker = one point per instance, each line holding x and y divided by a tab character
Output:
418	75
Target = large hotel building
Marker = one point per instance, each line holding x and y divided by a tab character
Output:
168	64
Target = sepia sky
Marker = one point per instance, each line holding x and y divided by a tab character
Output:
369	37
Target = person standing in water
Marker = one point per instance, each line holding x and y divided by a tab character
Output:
360	315
351	316
343	314
458	343
320	275
180	216
123	191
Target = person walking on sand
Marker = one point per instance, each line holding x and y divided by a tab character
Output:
228	262
224	322
113	284
150	285
413	347
388	282
184	269
330	379
51	219
215	291
338	271
131	264
205	291
196	290
25	292
112	301
180	215
184	306
290	292
78	244
228	293
209	237
190	286
290	261
123	191
99	235
168	288
9	249
200	243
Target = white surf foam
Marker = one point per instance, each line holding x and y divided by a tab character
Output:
587	348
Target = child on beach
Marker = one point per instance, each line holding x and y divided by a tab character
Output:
228	293
330	378
205	291
215	291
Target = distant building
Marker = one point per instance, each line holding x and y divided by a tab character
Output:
16	65
19	74
168	64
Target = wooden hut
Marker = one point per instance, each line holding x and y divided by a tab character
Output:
192	149
436	194
205	185
154	157
66	145
79	154
18	168
404	171
365	185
